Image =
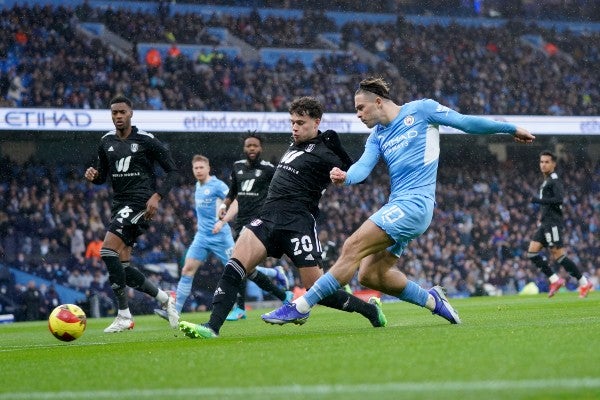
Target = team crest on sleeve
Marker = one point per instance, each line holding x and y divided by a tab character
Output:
134	147
409	120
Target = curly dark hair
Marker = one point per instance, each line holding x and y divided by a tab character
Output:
307	106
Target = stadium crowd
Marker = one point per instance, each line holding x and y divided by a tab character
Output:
476	70
51	221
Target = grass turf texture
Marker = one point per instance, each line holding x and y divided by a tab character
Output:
507	348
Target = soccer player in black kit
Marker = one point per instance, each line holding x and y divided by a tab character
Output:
286	223
550	230
250	179
127	155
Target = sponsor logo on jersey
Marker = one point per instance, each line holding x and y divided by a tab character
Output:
246	185
310	148
122	164
408	121
134	147
442	108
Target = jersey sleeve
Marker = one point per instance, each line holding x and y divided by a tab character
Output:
164	158
222	190
101	166
233	185
359	171
442	115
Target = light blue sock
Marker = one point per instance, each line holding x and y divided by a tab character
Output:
323	287
184	288
414	294
270	272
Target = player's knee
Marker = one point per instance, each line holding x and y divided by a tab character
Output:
188	270
364	278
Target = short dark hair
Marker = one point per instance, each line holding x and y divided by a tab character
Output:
121	99
375	85
254	135
307	106
549	154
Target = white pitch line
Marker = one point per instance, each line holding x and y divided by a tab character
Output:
48	346
308	390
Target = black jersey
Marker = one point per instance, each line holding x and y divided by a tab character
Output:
551	198
300	180
130	164
249	184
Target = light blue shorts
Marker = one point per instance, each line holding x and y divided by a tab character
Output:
403	219
221	245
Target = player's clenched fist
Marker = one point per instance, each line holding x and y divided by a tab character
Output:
337	176
91	173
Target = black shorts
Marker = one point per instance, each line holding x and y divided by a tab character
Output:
549	235
302	247
128	221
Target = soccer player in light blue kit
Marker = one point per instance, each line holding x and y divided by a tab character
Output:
407	138
210	192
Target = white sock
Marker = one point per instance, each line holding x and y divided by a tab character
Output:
162	296
553	278
430	304
583	281
125	313
302	305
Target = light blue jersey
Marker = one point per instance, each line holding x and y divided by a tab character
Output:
410	146
208	197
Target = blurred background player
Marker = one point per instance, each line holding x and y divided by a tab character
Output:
209	192
212	235
128	154
550	230
250	179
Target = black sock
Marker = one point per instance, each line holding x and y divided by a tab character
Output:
241	297
116	276
266	284
137	280
570	266
541	263
226	293
342	300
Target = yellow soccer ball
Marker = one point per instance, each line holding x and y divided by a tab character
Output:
67	322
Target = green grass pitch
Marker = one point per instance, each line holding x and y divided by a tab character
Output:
507	348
